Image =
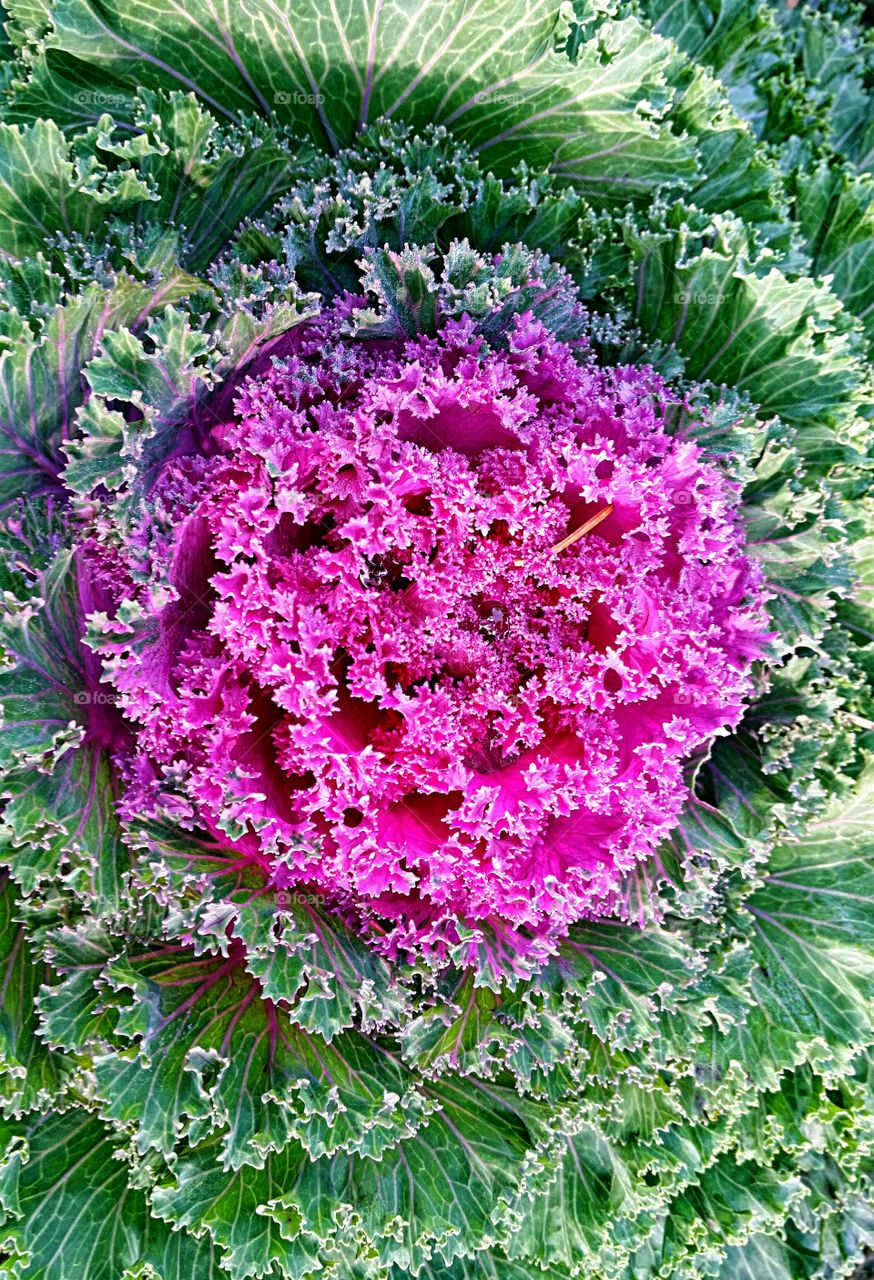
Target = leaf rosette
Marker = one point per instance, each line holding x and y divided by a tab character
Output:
436	623
388	672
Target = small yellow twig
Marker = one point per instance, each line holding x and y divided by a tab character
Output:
591	523
584	528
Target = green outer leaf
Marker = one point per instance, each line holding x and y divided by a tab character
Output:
55	740
492	72
573	1224
252	1231
164	376
620	979
308	957
41	193
30	1074
778	340
213	1056
301	952
206	177
74	1214
811	924
836	213
441	1190
40	386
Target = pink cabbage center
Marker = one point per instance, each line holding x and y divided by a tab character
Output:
380	670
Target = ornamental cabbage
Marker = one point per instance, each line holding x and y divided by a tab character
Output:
385	659
435	614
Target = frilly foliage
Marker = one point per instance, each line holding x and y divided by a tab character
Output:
200	1080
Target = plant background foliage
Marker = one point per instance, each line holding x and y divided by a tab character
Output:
687	1093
